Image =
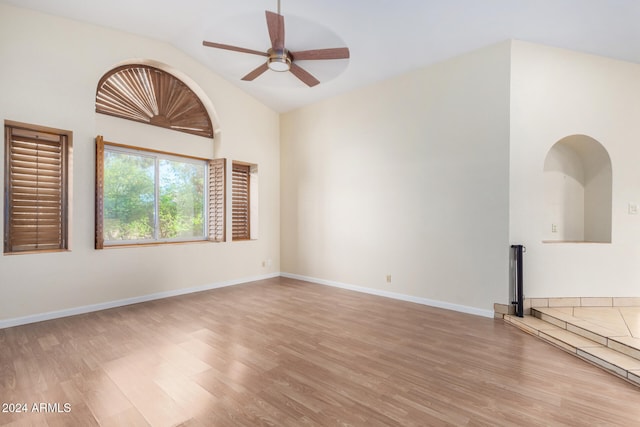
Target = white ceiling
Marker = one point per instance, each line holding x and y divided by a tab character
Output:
385	37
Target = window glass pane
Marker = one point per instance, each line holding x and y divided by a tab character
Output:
129	196
181	199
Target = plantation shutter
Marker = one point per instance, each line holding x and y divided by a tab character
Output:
217	179
240	202
36	181
149	95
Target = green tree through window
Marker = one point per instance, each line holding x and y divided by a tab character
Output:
181	199
151	196
129	196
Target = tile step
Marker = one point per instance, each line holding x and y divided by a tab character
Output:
607	337
605	357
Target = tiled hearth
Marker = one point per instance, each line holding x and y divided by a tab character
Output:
604	331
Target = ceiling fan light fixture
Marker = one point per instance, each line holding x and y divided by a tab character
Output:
279	61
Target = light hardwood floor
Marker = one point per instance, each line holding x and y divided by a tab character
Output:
288	353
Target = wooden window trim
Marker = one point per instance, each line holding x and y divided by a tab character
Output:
99	214
148	150
35	133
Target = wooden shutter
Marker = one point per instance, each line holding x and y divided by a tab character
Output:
99	237
240	202
217	211
149	95
36	190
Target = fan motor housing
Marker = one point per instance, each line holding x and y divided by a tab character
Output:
279	60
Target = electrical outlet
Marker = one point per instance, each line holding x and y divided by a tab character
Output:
633	209
388	278
554	228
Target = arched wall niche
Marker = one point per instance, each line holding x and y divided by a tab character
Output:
577	188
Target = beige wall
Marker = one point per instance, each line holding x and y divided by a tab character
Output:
556	93
408	177
50	69
427	177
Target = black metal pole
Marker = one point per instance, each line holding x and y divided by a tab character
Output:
519	281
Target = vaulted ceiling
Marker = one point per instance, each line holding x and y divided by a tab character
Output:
385	37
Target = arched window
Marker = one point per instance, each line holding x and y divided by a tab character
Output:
150	95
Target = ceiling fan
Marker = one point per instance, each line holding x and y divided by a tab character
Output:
281	59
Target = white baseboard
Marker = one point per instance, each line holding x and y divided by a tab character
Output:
7	323
418	300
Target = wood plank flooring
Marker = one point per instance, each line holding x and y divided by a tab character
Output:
282	352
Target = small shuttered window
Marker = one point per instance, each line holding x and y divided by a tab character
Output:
240	202
36	188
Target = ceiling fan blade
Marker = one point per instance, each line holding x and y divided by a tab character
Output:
275	24
334	53
303	75
234	48
255	73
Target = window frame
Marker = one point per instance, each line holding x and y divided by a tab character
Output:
213	192
65	140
